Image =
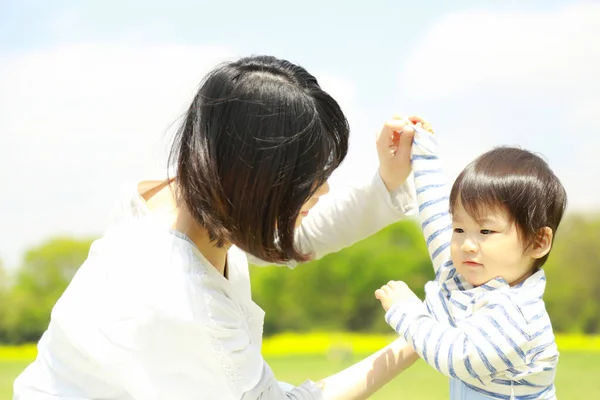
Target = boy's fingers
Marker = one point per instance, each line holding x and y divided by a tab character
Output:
397	285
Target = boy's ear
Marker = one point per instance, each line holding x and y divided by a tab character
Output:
542	244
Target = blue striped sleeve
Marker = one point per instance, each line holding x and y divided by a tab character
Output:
432	195
494	339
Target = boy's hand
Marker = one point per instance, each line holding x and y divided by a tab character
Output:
394	143
394	292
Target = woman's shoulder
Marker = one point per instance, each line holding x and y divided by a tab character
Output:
130	202
136	265
131	286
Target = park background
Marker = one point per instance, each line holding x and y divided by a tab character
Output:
91	91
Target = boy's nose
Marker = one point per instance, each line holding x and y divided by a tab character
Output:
469	246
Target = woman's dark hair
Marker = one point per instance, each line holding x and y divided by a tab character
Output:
258	140
518	182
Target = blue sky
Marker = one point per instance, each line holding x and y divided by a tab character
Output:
89	90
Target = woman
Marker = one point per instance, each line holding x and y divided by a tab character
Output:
162	306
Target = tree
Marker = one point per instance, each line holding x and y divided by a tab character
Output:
44	275
337	292
572	270
334	293
3	302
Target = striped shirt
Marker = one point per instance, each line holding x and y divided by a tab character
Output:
496	339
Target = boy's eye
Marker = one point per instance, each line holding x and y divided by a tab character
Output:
458	230
486	231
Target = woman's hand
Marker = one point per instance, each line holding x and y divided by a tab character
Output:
393	149
419	121
394	143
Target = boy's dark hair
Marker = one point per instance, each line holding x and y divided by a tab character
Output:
517	181
258	140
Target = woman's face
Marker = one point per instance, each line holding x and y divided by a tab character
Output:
310	203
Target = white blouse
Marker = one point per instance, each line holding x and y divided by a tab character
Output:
148	317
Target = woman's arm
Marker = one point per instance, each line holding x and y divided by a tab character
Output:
358	381
364	378
158	354
345	217
255	379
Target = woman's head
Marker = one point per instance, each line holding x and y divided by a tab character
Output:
258	141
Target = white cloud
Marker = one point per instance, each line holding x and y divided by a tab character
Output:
361	161
553	50
529	79
77	121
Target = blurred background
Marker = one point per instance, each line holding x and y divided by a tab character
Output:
90	93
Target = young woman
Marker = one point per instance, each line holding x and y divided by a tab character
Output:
161	309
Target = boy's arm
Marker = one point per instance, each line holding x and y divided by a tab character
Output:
432	197
494	339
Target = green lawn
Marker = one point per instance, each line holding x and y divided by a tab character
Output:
8	371
578	376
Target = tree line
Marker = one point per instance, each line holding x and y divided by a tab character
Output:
334	293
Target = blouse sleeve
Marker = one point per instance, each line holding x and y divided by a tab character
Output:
347	216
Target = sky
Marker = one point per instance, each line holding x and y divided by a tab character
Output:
90	91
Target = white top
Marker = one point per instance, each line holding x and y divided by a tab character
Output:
147	317
495	338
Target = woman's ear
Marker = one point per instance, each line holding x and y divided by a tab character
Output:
542	244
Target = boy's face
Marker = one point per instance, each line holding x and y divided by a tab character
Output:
489	248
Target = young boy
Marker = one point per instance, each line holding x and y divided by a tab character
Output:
483	322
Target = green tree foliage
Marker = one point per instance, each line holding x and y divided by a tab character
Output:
573	273
3	302
335	293
38	283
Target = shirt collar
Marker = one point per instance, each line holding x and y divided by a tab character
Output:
457	282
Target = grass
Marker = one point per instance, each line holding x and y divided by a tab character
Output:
8	372
577	378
